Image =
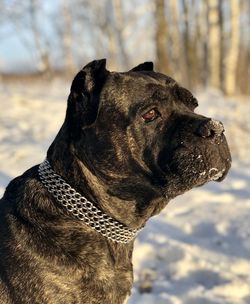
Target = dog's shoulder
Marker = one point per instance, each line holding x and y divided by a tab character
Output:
18	188
19	203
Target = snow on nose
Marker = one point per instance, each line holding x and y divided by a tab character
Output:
210	128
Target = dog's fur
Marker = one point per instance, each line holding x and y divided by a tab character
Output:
124	161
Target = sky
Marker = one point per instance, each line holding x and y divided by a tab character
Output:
17	51
13	54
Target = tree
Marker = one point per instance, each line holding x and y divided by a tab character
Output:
42	46
161	38
177	54
214	45
67	34
186	42
119	26
233	52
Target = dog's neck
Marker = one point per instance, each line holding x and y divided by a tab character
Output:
75	172
82	209
83	181
63	161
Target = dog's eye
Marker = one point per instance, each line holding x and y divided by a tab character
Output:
151	115
194	103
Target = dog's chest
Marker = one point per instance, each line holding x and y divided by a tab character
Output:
106	289
113	278
107	278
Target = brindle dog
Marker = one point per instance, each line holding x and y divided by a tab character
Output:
130	142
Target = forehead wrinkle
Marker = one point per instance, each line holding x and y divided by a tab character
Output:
120	95
135	87
157	95
131	80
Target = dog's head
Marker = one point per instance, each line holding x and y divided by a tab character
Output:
138	132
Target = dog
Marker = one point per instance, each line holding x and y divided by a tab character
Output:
130	143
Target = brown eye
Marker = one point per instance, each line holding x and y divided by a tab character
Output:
151	115
195	103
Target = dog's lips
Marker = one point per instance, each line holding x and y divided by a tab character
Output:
212	174
201	167
215	174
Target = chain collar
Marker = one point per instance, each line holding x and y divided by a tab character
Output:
83	209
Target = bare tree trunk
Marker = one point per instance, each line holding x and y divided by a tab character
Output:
67	38
43	54
177	54
108	29
214	43
233	54
161	37
202	27
119	24
186	41
243	65
222	43
193	41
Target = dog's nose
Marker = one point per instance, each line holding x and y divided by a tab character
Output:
210	128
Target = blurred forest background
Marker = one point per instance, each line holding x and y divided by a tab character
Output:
197	251
199	43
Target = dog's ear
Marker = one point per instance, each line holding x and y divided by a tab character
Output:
83	100
90	78
146	66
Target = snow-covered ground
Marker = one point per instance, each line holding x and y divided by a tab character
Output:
197	251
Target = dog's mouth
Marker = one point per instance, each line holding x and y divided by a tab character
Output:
218	163
195	165
213	174
216	174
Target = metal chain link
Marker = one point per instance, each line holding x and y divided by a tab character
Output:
83	209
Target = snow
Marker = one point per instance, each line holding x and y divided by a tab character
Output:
197	251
